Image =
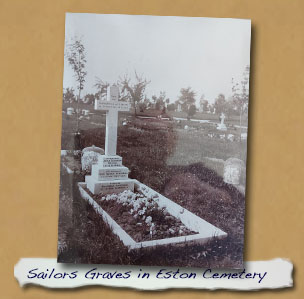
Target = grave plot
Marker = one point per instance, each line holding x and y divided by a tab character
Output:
184	225
138	215
141	216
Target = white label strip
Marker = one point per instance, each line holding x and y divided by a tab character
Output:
273	274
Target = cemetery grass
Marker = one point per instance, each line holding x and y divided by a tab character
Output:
232	120
171	162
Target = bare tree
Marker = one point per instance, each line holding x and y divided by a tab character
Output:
135	91
68	95
240	93
76	58
101	88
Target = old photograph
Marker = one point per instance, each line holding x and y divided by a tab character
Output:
154	140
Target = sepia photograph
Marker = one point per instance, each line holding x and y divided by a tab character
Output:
154	140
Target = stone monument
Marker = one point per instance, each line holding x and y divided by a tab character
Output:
85	112
89	157
222	126
109	175
70	111
233	169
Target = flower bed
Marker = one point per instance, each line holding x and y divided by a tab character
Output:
140	216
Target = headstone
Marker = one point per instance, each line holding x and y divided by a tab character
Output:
90	156
233	169
222	126
85	112
179	107
186	127
109	175
63	152
70	111
230	137
243	136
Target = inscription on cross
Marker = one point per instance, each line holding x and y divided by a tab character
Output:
112	105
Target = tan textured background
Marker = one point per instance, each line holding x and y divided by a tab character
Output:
31	69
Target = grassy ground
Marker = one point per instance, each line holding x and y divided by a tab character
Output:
171	161
192	146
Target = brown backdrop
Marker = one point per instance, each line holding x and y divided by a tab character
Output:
31	70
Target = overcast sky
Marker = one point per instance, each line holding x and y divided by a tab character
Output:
171	52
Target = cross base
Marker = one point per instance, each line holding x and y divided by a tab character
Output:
108	187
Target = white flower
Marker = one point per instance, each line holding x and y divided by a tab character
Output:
171	230
142	212
152	229
149	220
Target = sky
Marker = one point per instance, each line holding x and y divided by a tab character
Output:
171	52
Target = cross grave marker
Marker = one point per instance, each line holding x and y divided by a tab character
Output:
112	105
222	126
109	175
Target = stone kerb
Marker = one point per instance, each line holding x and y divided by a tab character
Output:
205	230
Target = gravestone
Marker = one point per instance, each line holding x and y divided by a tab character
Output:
230	137
63	152
233	169
179	107
70	111
222	126
244	136
109	175
85	112
90	156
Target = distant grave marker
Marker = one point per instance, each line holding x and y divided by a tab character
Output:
233	168
70	111
222	126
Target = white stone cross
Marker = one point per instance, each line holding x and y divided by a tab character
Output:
222	117
112	105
